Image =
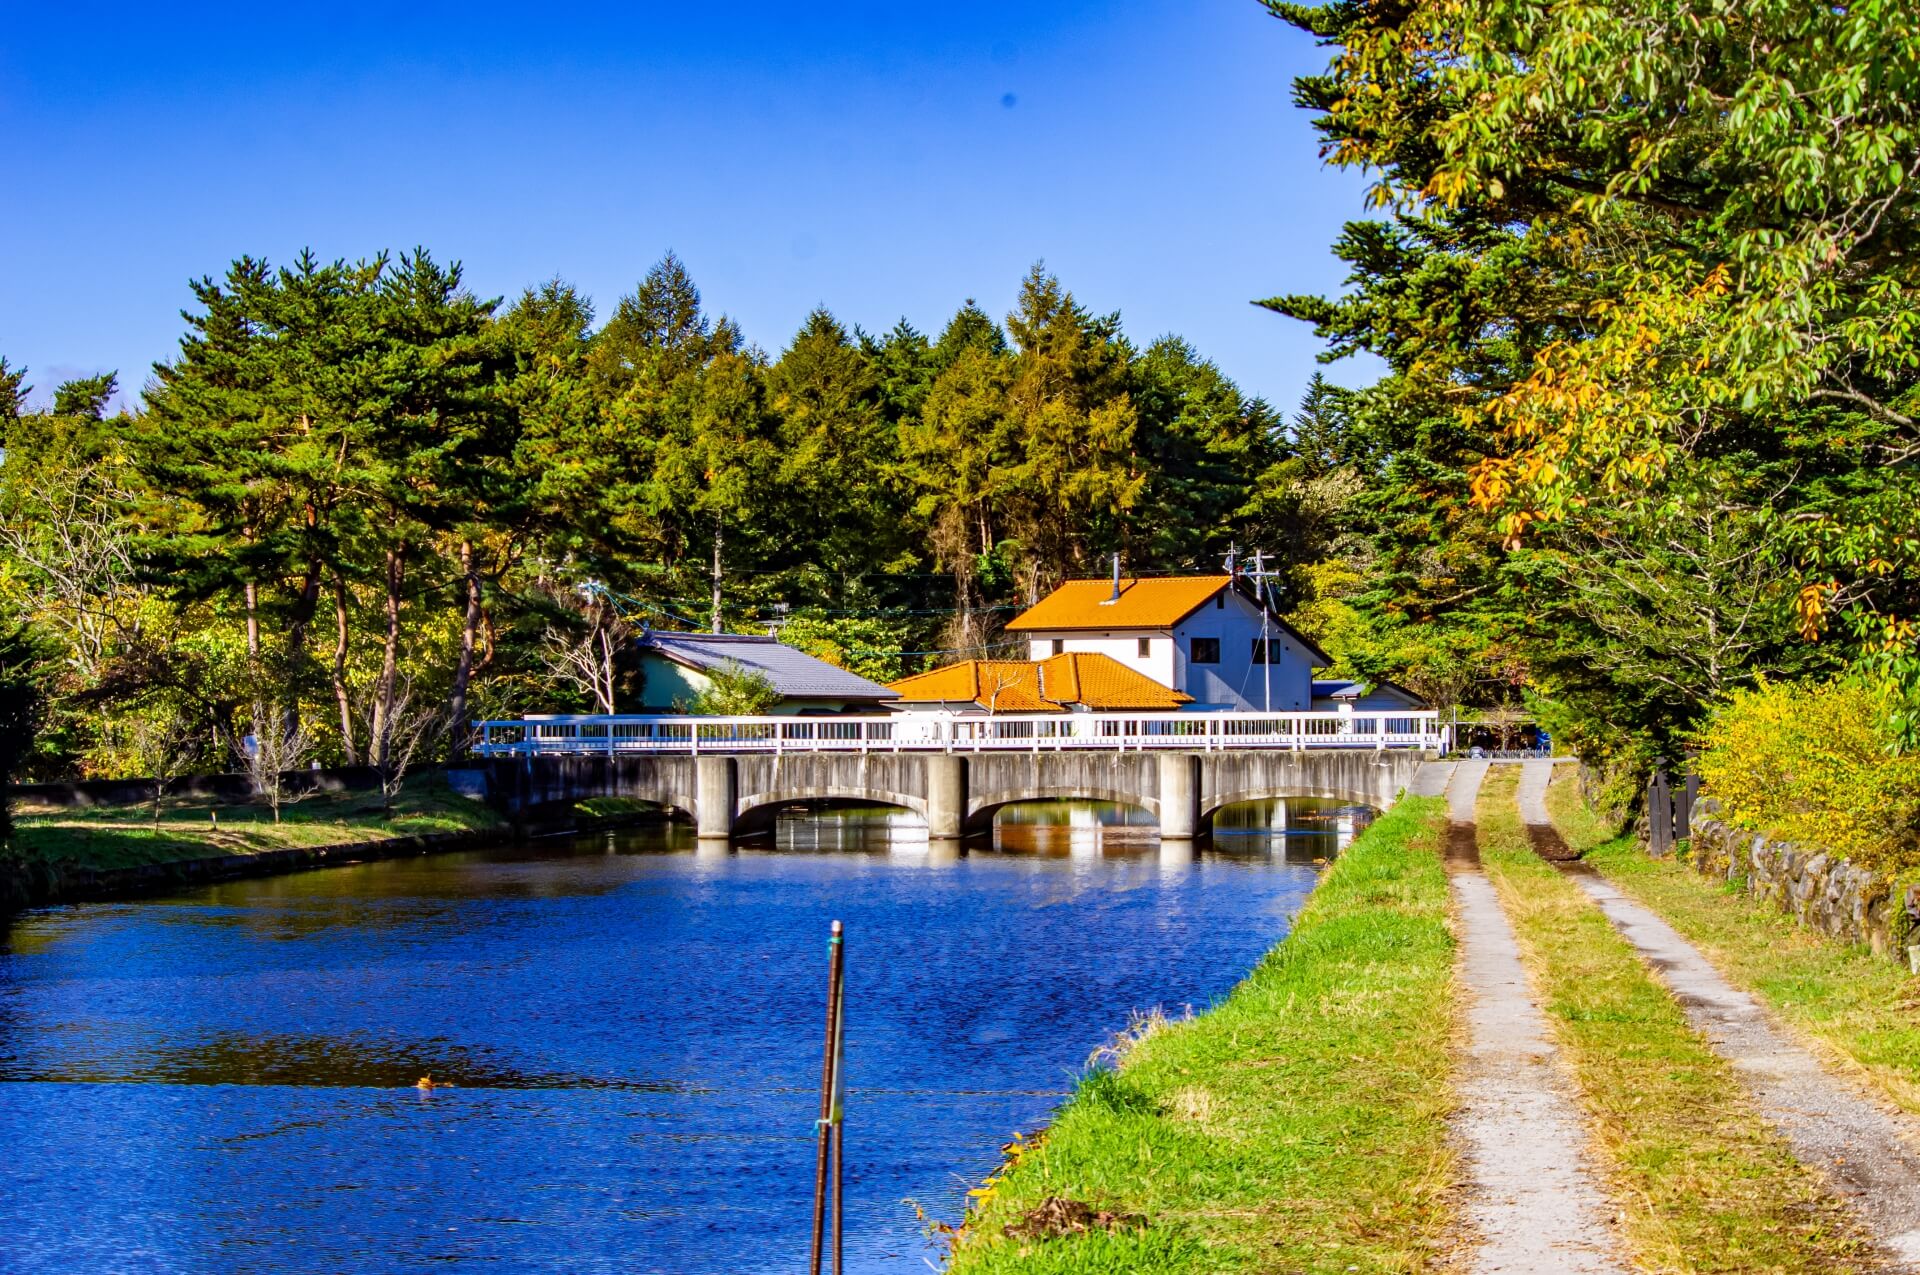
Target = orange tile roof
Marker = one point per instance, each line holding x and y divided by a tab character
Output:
1041	686
1144	604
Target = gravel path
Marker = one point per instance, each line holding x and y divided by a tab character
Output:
1862	1146
1858	1143
1534	1206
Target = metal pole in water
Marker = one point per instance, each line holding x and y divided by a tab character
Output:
839	1116
827	1145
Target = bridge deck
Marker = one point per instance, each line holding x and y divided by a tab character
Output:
953	732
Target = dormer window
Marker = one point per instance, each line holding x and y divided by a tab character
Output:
1146	648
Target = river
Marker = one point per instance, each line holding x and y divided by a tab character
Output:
623	1033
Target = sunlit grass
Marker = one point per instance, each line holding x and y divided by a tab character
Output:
126	836
1299	1125
1702	1182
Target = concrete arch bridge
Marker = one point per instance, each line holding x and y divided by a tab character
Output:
955	793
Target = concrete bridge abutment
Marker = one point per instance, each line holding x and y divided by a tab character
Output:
716	784
946	797
1179	796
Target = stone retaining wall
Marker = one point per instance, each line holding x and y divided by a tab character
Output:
1822	892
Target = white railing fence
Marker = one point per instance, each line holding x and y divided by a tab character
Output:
953	732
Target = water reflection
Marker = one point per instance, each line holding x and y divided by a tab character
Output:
223	1081
1300	828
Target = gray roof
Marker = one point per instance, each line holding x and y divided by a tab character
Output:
794	673
1344	688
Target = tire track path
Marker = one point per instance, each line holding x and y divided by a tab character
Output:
1862	1146
1534	1205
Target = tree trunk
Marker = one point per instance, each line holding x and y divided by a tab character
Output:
718	534
306	602
463	668
389	663
340	696
253	620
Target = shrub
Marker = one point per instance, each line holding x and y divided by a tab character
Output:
1817	764
734	690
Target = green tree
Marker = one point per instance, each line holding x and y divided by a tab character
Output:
21	704
1202	446
734	690
955	454
837	460
1076	474
1715	217
13	392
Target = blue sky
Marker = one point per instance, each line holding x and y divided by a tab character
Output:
884	160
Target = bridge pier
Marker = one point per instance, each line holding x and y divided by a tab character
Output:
716	785
946	797
1179	796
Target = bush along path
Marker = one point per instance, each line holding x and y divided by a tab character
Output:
1533	1204
1861	1147
1702	1180
1301	1124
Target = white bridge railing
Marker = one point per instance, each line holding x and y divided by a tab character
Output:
954	732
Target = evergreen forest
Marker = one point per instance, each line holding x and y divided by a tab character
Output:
1643	277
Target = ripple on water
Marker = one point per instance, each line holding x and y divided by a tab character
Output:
626	1032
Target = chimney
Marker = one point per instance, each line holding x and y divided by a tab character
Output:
1116	582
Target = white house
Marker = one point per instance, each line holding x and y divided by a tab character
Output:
1200	635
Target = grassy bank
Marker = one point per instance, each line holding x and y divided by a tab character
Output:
105	838
1300	1124
1702	1183
1855	1006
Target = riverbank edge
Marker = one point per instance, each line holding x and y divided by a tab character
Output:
32	885
1303	1117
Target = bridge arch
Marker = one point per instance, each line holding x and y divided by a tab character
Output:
751	803
1213	803
980	811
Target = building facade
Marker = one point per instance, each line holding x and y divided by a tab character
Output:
1199	635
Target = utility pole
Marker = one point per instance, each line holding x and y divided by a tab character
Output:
1266	647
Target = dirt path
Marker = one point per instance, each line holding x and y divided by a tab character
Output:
1534	1206
1857	1142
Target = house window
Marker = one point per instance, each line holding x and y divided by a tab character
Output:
1203	650
1220	600
1259	655
1146	647
1059	645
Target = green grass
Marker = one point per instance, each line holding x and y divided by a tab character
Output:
1702	1182
125	836
1299	1125
1855	1007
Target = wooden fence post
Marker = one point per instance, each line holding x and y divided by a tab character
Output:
1659	813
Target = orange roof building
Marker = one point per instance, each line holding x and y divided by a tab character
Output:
1157	603
1057	684
1206	637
